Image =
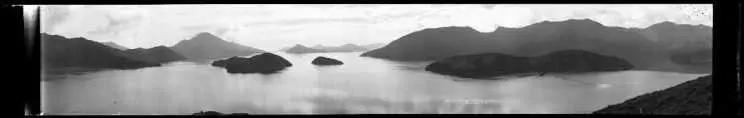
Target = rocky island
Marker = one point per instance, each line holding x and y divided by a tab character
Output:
262	63
326	61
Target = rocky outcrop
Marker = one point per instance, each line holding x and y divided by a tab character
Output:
496	64
262	63
326	61
693	97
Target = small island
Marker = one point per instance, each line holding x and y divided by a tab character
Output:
326	61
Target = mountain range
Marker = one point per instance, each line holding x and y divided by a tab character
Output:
159	54
649	48
61	52
342	48
302	49
320	48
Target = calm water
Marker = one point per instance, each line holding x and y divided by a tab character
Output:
361	85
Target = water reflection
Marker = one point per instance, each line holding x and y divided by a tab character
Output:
361	85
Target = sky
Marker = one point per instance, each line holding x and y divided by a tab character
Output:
272	27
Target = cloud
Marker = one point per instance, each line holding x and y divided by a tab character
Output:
311	21
121	19
116	25
52	16
273	26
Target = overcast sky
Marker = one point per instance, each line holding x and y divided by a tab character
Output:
271	27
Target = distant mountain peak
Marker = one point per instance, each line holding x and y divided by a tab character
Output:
444	30
453	28
300	45
667	23
349	44
206	36
581	20
298	48
663	24
161	46
670	24
207	46
570	22
584	21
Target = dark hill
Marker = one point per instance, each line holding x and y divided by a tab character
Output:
60	52
302	49
159	54
532	40
693	97
429	44
496	64
207	46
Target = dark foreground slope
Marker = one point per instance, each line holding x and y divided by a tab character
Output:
689	98
60	52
